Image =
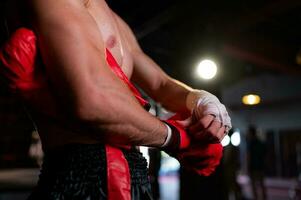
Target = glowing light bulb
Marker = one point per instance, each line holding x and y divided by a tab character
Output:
235	139
206	69
251	99
226	141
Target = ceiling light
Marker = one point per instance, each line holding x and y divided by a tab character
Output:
206	69
251	99
226	141
235	139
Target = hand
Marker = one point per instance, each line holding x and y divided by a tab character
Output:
200	158
209	120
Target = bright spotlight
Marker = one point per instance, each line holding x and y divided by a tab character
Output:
206	69
226	141
235	139
251	99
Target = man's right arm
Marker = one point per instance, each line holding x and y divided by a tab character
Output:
73	52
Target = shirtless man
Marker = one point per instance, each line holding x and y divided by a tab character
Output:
73	36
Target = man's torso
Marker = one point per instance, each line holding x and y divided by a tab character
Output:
111	30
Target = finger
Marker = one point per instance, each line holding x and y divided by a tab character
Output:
204	137
211	133
213	128
185	123
221	133
201	124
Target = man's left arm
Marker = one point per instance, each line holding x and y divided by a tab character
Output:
151	78
174	95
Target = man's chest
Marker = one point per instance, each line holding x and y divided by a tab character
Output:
112	35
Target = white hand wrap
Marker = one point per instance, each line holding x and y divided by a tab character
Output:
168	137
210	105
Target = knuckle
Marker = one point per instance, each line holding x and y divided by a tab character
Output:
218	123
203	123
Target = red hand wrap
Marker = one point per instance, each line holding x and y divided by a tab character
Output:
179	138
200	158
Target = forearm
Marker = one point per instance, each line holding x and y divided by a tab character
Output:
152	79
117	118
207	112
158	85
172	95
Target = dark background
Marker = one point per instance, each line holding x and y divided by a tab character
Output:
247	39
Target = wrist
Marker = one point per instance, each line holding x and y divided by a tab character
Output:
168	136
196	97
178	138
192	98
172	142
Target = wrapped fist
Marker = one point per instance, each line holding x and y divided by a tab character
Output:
209	119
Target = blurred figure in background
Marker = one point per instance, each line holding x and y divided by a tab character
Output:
195	187
256	154
231	166
295	190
